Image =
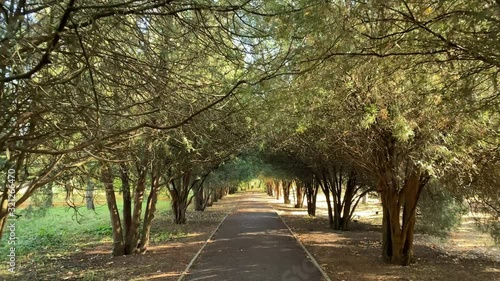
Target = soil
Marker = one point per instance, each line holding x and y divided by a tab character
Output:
163	261
356	254
351	255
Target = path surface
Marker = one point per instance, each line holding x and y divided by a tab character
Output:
253	244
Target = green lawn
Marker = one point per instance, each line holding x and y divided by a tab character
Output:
63	230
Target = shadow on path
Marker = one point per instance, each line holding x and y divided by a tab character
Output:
253	244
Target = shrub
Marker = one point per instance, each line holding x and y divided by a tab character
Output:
439	213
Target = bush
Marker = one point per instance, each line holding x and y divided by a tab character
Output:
439	213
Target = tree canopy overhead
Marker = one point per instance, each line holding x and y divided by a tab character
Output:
346	96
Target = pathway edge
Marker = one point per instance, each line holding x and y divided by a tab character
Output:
314	261
184	273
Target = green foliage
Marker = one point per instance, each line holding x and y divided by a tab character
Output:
103	230
493	228
58	231
41	240
440	213
40	202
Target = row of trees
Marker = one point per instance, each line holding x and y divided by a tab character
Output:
359	96
406	94
137	95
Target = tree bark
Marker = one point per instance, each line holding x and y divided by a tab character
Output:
326	191
89	195
179	194
278	189
299	192
209	194
149	213
133	237
398	229
214	196
312	189
107	180
127	204
270	189
286	191
199	199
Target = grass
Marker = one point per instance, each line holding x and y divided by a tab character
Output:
62	230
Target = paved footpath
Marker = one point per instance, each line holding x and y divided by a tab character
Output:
253	244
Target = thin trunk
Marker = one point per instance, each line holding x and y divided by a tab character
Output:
207	192
127	205
149	213
286	191
299	194
209	195
270	188
326	191
199	199
278	189
89	195
133	238
349	197
214	196
312	189
49	194
220	193
107	180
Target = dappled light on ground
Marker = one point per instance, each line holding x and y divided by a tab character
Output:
355	254
159	276
252	244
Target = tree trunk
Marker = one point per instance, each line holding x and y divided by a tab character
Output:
199	199
220	193
278	189
326	191
3	210
208	194
299	194
179	194
286	191
127	205
149	213
107	180
214	196
180	212
133	237
348	206
48	194
269	187
312	189
89	195
398	229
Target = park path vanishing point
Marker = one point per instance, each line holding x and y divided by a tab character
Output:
253	244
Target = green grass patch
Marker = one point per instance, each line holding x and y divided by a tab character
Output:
62	230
